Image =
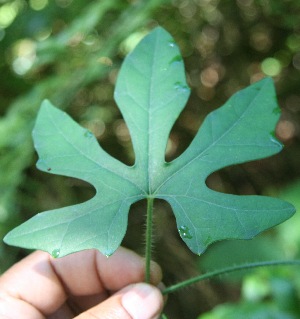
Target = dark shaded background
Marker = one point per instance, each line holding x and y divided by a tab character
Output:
70	52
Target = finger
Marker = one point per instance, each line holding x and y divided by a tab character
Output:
45	283
138	301
90	272
31	285
11	308
102	276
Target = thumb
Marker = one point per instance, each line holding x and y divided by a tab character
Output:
137	301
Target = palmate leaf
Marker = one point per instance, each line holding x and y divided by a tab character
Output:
151	91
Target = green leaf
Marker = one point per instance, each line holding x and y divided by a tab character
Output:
151	91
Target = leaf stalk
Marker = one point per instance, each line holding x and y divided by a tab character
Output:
148	247
227	270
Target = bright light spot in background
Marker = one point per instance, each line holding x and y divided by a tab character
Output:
96	126
105	61
172	145
63	3
38	5
121	131
24	54
260	40
130	42
293	42
209	77
285	130
271	67
91	38
187	9
255	288
8	12
43	34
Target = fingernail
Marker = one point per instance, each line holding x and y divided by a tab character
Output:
142	301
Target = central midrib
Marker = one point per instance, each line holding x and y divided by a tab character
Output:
149	144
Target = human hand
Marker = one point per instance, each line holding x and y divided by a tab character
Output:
83	285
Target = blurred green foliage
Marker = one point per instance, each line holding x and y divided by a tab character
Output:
70	52
265	295
268	293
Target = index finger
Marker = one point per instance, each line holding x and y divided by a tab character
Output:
45	283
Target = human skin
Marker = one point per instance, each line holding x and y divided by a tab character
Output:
84	285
